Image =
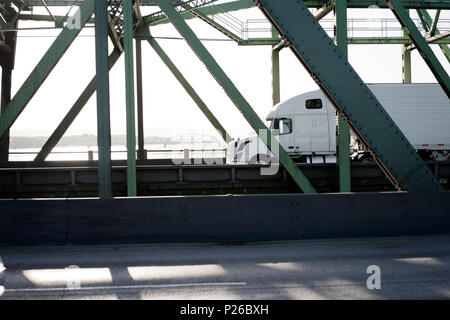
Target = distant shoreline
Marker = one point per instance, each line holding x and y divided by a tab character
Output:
90	140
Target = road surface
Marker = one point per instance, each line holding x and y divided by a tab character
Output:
409	268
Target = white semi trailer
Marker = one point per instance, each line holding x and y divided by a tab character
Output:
306	125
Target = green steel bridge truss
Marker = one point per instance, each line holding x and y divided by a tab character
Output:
293	26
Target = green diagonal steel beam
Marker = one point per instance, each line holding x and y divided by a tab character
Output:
189	89
45	66
444	47
434	23
73	112
234	94
425	26
421	44
350	95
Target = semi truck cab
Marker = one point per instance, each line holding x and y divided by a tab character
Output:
306	125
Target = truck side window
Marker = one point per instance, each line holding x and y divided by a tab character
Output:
314	104
285	126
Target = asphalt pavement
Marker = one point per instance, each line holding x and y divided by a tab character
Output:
379	268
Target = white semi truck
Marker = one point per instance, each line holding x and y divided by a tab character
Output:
306	125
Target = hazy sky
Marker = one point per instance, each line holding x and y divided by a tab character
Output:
166	104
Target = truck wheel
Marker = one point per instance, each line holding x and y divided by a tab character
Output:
366	158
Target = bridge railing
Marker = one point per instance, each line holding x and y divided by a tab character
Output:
122	154
357	27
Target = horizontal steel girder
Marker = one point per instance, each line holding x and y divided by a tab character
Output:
160	177
350	95
45	66
413	4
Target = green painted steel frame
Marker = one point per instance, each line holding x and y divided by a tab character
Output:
350	95
5	99
141	154
429	4
103	105
434	23
245	4
406	62
275	71
428	22
234	94
343	154
129	92
421	44
43	68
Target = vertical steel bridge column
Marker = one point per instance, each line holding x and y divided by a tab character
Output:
102	85
406	64
341	40
275	71
5	99
7	59
234	93
129	92
140	103
350	95
421	44
406	61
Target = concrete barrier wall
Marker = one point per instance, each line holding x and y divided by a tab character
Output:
221	219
